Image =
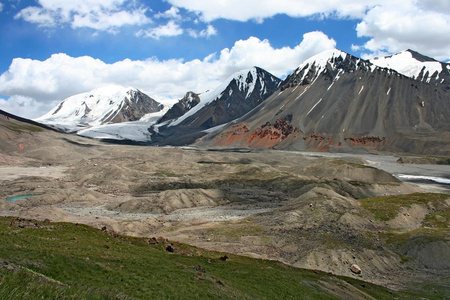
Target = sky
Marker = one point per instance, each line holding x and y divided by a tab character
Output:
53	49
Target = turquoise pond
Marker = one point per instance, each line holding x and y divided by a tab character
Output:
12	199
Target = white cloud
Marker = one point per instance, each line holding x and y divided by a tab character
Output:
24	106
96	14
172	13
1	6
170	29
61	76
209	31
391	26
442	6
37	15
110	20
261	9
254	52
402	24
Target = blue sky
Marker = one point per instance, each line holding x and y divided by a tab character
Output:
52	49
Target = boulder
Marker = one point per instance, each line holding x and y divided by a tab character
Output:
355	269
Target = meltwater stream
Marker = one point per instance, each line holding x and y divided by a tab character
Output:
435	178
12	199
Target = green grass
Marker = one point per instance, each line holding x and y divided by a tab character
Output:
340	162
20	128
234	231
387	207
26	284
68	261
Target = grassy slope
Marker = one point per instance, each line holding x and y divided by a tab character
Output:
67	261
387	207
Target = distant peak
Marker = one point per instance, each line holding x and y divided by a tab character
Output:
246	74
322	58
407	54
411	64
420	57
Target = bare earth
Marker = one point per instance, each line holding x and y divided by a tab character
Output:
299	208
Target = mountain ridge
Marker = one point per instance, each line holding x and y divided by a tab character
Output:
332	98
335	101
240	93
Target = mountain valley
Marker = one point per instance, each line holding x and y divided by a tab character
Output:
302	209
341	168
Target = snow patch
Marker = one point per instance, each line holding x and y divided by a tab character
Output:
134	131
431	178
362	88
314	107
405	64
216	128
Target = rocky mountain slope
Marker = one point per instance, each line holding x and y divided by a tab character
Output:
337	102
184	105
194	114
105	105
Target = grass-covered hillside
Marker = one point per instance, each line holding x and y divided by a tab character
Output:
40	260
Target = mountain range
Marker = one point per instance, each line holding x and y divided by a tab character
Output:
331	102
337	102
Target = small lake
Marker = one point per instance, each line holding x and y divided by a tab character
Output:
12	199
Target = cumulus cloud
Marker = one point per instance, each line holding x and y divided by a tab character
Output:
391	26
436	5
172	13
24	106
402	24
170	29
261	9
96	14
209	31
254	52
60	76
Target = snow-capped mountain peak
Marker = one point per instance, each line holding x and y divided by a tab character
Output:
243	81
411	64
107	104
321	60
333	61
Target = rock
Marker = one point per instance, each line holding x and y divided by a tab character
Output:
224	258
153	241
200	269
355	269
9	267
170	249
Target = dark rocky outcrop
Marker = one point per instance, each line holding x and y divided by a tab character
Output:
185	104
